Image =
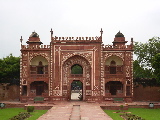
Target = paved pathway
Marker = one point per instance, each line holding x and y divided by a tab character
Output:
58	112
75	114
75	110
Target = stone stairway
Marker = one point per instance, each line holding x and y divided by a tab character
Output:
75	114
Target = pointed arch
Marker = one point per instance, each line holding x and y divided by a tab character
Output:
68	77
114	65
38	65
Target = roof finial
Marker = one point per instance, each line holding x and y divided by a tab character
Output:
101	32
132	41
21	40
51	33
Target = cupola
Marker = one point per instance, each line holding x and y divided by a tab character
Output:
119	39
34	39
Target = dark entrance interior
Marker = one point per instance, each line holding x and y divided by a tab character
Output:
77	90
114	87
39	87
39	90
24	90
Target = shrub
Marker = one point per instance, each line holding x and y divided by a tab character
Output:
121	107
131	117
21	116
30	108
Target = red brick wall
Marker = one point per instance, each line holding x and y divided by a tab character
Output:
148	93
9	92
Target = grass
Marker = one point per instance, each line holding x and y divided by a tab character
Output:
147	114
7	113
36	114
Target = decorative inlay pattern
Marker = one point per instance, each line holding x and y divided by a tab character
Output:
107	55
45	55
88	92
87	56
57	93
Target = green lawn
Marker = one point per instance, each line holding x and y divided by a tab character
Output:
7	113
147	114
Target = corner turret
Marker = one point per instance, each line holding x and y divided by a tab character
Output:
34	39
119	39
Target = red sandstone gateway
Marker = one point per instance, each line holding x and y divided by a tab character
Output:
48	72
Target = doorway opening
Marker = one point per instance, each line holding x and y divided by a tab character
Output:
77	90
24	90
114	87
39	88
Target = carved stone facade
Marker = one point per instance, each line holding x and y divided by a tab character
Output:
46	69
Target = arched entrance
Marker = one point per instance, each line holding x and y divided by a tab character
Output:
114	65
76	90
114	87
76	69
38	66
39	88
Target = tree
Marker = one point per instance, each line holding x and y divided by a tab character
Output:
77	69
140	72
9	68
145	53
156	66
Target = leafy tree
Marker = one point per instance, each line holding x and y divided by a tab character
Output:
9	68
77	69
140	72
145	53
156	66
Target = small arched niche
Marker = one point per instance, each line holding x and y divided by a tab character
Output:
39	65
116	59
114	65
39	60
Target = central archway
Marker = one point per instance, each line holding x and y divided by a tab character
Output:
76	68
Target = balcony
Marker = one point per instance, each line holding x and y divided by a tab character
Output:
39	77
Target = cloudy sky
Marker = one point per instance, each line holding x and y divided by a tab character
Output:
139	19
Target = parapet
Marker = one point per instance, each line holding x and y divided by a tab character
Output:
35	47
118	47
76	39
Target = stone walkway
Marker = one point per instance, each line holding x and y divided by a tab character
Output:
75	114
75	110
